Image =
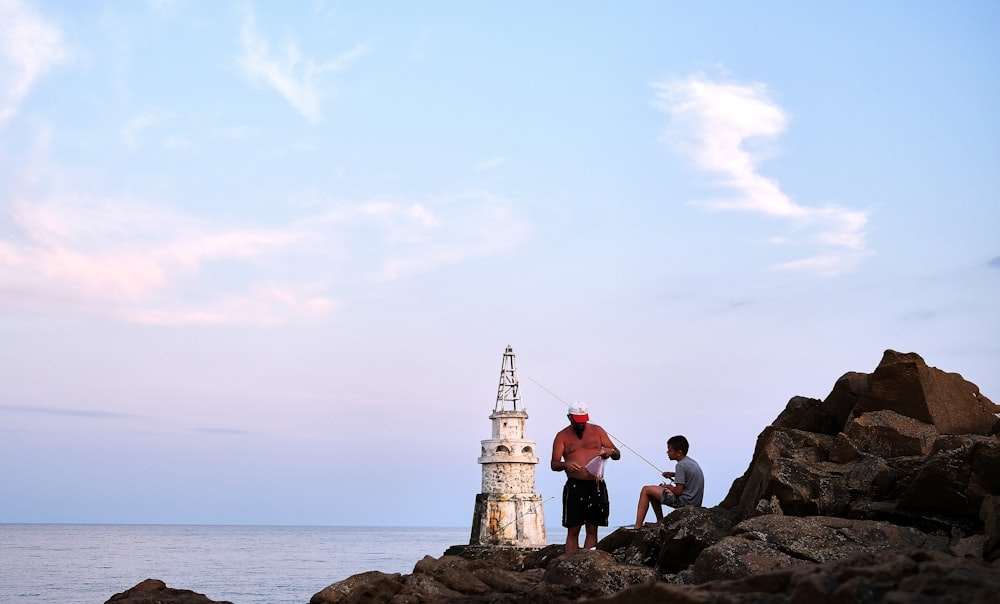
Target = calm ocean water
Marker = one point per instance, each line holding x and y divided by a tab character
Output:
88	563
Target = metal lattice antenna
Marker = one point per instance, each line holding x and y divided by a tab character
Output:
508	392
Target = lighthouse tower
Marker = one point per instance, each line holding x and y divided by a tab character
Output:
508	511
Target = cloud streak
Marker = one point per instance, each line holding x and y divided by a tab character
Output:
128	261
137	263
724	128
29	46
82	413
296	77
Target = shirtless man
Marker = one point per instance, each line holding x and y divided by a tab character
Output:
585	498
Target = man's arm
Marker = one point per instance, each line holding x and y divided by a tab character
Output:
609	447
557	464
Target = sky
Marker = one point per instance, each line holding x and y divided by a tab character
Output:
259	261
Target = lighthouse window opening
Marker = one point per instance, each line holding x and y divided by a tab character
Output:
503	449
526	451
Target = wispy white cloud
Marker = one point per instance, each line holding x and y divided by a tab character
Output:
29	46
464	226
725	127
296	77
446	230
491	164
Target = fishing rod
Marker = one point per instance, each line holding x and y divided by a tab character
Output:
620	441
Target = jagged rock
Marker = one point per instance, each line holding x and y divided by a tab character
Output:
511	558
767	543
674	544
904	383
155	591
888	434
900	453
902	577
634	546
956	477
596	572
990	513
372	586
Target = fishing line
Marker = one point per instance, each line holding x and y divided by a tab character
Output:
620	441
530	510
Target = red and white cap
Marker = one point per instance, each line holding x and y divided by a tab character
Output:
579	413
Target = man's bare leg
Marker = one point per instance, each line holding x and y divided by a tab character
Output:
572	539
591	539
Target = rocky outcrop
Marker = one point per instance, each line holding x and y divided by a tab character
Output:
909	444
154	591
888	490
452	578
913	576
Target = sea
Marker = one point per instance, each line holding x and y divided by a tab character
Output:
89	563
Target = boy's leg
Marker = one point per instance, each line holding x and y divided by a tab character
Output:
649	497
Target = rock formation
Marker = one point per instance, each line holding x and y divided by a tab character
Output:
888	490
154	591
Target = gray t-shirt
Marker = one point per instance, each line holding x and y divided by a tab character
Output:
688	473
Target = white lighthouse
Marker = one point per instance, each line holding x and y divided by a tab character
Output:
508	510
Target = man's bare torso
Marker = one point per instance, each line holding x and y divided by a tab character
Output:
577	451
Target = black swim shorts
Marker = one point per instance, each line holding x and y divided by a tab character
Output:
585	502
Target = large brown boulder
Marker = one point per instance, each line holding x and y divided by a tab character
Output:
767	543
596	572
155	591
904	383
674	544
371	586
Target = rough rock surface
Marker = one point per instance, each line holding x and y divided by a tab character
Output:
154	591
912	576
873	449
888	490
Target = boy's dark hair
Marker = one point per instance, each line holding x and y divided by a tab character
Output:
678	443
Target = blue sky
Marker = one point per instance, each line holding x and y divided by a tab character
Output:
259	261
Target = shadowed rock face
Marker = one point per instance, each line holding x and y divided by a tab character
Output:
887	490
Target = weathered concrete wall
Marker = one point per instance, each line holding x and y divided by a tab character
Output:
511	520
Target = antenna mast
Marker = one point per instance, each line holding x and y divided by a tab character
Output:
508	391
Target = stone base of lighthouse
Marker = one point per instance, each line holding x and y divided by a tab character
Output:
514	520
